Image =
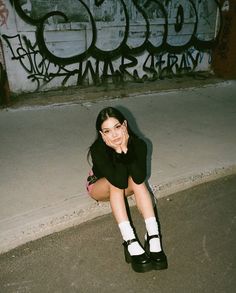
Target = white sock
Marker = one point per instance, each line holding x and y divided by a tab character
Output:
152	229
128	234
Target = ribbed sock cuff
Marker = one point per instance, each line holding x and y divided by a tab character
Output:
151	226
126	230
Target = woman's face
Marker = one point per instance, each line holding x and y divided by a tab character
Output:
113	130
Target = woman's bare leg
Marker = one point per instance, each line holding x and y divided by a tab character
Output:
103	190
118	207
145	206
142	198
117	202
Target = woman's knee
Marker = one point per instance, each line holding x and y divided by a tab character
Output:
134	185
100	190
116	191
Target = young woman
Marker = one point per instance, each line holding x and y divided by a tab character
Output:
119	170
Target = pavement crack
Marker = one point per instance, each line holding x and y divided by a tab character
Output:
204	247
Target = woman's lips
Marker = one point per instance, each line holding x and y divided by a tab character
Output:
117	140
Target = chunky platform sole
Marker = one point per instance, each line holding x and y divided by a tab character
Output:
159	266
139	268
139	263
142	268
158	259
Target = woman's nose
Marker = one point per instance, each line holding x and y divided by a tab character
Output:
114	134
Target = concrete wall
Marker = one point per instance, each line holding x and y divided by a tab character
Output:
52	43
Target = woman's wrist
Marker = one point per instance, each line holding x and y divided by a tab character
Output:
118	150
121	149
124	150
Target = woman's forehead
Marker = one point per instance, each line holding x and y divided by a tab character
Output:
110	123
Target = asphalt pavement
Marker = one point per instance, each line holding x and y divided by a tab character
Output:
199	238
191	139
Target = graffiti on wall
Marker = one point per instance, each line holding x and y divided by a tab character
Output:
116	40
155	66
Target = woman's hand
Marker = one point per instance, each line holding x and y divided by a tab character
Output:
109	143
125	138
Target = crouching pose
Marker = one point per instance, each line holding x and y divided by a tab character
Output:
119	170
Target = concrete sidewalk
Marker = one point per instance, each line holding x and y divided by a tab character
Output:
43	166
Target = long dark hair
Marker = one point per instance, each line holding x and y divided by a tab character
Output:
104	114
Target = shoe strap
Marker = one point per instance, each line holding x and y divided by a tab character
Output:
152	236
128	242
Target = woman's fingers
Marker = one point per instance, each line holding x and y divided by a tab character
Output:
125	135
104	138
107	140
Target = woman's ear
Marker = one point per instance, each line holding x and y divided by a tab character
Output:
125	123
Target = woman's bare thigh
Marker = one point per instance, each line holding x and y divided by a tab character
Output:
101	190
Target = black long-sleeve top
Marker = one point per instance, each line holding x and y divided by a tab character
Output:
116	168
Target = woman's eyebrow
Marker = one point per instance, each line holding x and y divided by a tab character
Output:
111	127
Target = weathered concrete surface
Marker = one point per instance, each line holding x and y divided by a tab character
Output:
198	228
43	166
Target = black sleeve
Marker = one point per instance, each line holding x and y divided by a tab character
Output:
113	169
137	160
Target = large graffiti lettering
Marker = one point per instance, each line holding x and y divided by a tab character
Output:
105	40
155	66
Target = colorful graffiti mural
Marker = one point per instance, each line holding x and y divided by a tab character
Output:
107	39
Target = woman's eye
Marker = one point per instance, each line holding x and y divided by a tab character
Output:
106	131
118	126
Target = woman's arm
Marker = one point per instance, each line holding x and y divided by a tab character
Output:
137	160
113	169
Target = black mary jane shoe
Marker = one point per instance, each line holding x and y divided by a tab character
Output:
140	263
158	259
